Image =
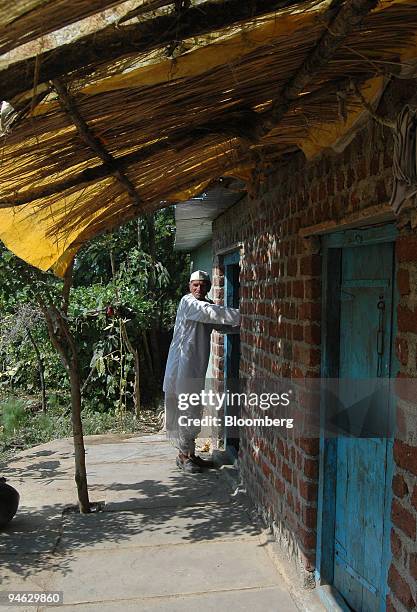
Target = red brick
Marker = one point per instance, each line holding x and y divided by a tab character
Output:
406	248
309	445
306	355
266	469
396	546
402	350
414	497
310	265
406	387
296	372
312	334
311	468
290	500
272	457
309	311
292	267
413	565
297	332
279	485
298	289
399	486
405	456
390	606
312	288
308	490
309	516
400	588
407	320
403	282
287	472
403	519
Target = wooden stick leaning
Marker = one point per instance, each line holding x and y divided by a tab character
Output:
69	107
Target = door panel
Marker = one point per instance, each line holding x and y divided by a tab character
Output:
232	348
365	341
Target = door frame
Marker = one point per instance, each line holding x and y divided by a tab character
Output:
332	245
230	259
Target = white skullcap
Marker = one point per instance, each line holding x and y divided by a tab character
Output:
200	275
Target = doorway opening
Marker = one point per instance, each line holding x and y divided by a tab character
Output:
231	349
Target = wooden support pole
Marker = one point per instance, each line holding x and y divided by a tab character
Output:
69	107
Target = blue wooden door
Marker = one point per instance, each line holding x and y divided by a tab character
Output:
231	347
361	470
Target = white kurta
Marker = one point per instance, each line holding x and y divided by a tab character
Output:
190	347
188	359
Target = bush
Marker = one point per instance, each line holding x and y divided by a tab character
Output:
13	416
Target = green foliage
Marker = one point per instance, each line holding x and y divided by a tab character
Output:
130	279
12	416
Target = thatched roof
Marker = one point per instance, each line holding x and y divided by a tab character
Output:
151	110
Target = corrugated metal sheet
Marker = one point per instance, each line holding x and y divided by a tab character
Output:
194	217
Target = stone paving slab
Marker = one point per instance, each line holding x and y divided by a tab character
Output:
127	573
160	483
111	453
268	599
31	533
165	541
24	573
105	530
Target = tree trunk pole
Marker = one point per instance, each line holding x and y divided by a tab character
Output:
154	331
77	432
134	352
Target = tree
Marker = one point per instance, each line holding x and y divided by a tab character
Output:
99	321
52	298
21	327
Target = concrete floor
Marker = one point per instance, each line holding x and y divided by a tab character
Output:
164	540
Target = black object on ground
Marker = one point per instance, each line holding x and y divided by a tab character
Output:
9	502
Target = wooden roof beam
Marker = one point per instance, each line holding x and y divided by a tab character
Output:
85	177
113	42
70	108
96	173
349	17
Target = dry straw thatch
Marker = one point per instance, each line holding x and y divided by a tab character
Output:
27	20
177	133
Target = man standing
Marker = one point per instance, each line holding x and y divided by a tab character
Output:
187	362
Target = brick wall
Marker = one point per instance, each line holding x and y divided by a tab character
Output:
403	572
280	335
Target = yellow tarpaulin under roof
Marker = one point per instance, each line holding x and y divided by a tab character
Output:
182	122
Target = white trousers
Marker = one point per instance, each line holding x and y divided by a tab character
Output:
182	436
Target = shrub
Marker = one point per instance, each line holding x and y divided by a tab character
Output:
13	416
